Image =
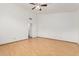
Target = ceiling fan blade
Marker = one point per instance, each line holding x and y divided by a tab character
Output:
33	3
44	5
33	8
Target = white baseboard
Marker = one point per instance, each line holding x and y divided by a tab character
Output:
58	38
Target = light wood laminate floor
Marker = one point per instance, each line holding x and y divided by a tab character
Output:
40	47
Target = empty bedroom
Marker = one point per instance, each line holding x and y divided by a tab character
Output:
39	29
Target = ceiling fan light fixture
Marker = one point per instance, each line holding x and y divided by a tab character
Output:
37	7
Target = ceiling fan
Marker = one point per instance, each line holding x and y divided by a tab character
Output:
38	6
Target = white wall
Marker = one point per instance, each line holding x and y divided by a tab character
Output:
14	22
77	23
60	26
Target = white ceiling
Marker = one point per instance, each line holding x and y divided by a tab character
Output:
62	7
51	8
56	7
